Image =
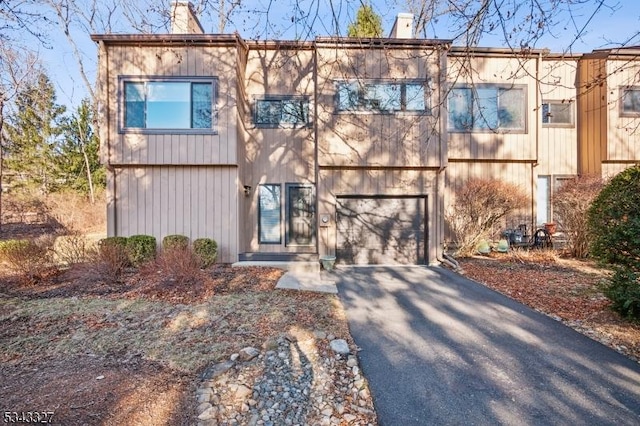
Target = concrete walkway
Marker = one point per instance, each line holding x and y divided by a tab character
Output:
439	349
322	282
304	276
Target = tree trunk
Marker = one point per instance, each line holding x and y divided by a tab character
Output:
89	178
86	162
1	153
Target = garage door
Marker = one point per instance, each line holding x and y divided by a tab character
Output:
381	230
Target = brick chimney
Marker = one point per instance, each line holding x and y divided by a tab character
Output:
403	26
183	19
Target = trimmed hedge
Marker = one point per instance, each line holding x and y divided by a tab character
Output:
171	242
206	249
113	242
141	249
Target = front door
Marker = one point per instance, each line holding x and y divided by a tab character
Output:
300	215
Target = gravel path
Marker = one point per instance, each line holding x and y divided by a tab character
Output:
298	379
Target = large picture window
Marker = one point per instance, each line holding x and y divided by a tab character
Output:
269	214
630	102
382	96
486	107
168	104
557	113
281	112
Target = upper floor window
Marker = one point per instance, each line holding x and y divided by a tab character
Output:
283	111
557	113
486	107
169	104
631	101
382	96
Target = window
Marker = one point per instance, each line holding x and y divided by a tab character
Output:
382	96
168	104
487	108
269	214
557	113
281	112
631	102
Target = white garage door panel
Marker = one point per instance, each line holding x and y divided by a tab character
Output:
381	230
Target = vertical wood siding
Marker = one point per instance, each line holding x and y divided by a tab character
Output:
623	133
592	118
378	140
519	174
558	146
174	61
275	155
193	201
495	70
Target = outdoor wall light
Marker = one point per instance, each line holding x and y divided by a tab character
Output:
247	190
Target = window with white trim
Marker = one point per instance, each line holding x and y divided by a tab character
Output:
557	113
168	104
487	107
382	97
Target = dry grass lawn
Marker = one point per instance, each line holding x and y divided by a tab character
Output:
130	353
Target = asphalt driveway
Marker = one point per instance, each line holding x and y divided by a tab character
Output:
439	349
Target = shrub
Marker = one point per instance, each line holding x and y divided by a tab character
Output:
623	289
73	210
206	249
571	203
73	248
481	204
112	258
614	225
614	221
179	266
141	249
29	259
113	241
171	242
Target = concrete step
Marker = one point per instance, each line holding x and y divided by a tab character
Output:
294	266
308	281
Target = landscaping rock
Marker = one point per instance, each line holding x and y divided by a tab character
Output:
248	353
340	346
299	382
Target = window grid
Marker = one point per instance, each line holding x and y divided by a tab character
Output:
487	108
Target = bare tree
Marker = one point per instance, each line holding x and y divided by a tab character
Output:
17	68
18	18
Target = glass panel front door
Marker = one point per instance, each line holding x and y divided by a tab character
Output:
543	200
300	215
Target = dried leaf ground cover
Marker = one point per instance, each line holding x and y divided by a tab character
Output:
130	353
567	290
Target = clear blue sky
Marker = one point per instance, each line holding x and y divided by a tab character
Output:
608	28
